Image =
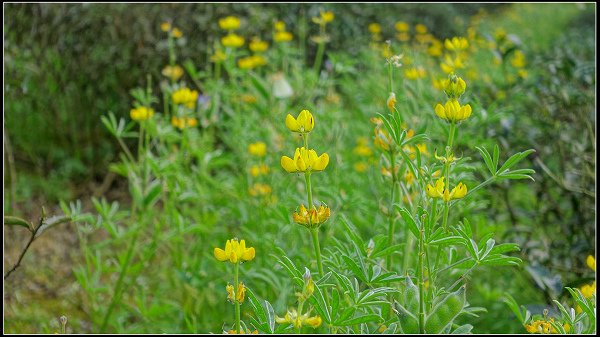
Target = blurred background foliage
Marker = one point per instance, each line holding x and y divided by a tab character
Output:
67	65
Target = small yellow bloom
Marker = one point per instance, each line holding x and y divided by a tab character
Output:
383	140
452	111
292	316
258	149
591	262
454	86
361	167
313	322
436	191
183	122
173	72
374	28
518	59
312	218
458	192
435	49
257	170
259	189
235	252
165	26
444	160
409	177
229	23
218	56
522	73
362	150
176	33
141	113
283	36
324	18
305	161
451	64
403	37
303	124
588	290
247	98
402	26
391	102
258	46
242	332
456	43
421	28
279	26
232	40
415	73
230	293
186	97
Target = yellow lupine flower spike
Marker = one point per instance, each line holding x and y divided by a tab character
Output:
452	111
235	252
229	23
303	124
141	113
305	161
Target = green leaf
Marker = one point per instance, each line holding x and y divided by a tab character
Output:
496	157
153	192
501	260
515	176
487	159
410	222
15	221
51	222
361	319
514	159
505	248
259	85
360	274
450	240
463	329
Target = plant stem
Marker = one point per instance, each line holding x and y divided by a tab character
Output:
391	217
31	238
421	285
320	52
237	304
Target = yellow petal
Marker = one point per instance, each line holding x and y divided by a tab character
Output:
300	164
220	255
591	262
292	123
288	164
440	111
249	254
321	163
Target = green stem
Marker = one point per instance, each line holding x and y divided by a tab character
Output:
237	304
391	217
320	52
421	282
300	307
314	232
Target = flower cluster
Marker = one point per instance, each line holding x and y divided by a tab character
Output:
452	111
438	191
235	252
141	113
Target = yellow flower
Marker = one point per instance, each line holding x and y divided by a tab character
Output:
450	64
522	73
251	62
247	98
283	36
305	161
409	177
141	113
444	160
362	149
391	101
186	97
232	40
402	26
229	23
456	43
165	26
436	191
518	59
173	72
230	293
374	28
313	322
292	316
458	192
403	37
361	167
591	262
176	33
242	332
218	56
303	124
235	252
414	73
258	149
257	170
313	217
452	111
435	49
588	290
258	46
454	86
420	28
279	26
184	122
324	18
259	189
